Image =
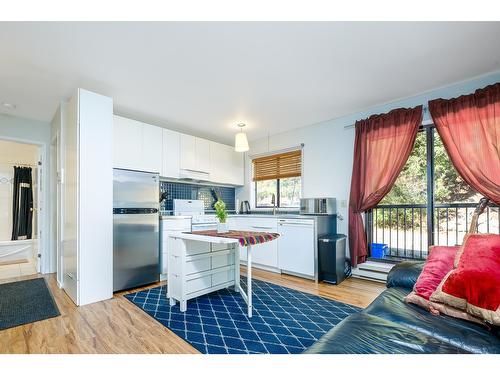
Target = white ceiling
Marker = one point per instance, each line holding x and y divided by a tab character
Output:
203	78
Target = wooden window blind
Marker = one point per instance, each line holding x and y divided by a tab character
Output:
288	164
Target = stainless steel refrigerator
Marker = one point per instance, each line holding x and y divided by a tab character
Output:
135	229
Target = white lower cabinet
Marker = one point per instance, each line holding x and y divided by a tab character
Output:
296	247
196	268
293	252
264	255
169	226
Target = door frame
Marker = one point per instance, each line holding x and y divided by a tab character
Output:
56	205
43	210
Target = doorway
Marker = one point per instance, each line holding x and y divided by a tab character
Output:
21	203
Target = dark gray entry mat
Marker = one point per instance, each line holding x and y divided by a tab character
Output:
24	302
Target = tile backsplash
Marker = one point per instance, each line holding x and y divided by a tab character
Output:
207	194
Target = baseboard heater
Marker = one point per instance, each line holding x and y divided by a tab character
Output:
372	271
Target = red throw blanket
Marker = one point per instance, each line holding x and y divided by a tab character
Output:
245	238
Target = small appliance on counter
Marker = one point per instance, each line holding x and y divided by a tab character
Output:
318	206
135	229
331	257
245	207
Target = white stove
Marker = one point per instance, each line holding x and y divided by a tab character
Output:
195	208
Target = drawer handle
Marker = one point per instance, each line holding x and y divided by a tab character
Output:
258	227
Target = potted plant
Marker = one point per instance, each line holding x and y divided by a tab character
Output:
221	213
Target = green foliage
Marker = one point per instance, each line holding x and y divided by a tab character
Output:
289	192
411	188
220	211
411	185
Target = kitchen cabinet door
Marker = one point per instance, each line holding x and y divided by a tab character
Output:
170	155
202	155
236	167
226	165
188	152
127	145
266	253
151	148
296	248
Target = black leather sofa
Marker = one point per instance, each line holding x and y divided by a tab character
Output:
391	326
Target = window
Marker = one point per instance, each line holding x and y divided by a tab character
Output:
429	204
278	175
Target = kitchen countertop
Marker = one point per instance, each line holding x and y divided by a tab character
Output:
174	217
260	216
277	216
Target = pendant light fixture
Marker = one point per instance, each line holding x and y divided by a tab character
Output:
240	140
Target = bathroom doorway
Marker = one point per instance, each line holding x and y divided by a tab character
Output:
20	206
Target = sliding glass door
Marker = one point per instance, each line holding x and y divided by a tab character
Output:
430	204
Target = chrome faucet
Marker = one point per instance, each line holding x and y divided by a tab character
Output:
273	202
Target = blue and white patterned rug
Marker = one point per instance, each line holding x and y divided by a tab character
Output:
285	321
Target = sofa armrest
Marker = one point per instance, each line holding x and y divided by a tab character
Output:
404	274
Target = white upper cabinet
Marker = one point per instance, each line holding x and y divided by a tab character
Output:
226	165
137	145
188	152
195	154
171	150
202	155
151	148
127	143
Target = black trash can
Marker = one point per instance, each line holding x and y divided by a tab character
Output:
331	258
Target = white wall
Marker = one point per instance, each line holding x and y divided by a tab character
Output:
36	132
329	146
327	158
13	153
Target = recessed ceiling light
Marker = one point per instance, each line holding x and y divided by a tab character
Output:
9	105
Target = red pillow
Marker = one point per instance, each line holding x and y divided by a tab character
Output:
474	285
438	264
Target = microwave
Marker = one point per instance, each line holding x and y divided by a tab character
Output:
318	206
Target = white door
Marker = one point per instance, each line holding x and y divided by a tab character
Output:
170	154
296	247
152	146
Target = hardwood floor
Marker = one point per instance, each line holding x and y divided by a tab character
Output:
117	326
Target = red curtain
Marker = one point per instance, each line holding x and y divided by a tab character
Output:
382	146
470	129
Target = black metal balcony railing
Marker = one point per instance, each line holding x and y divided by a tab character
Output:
404	228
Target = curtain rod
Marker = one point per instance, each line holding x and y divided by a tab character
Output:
425	109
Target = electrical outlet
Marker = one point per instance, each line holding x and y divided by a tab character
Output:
343	203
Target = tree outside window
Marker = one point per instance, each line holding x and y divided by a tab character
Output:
287	192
